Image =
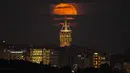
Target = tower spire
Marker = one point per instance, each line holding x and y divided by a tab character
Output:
65	26
65	34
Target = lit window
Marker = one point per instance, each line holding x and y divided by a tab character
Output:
96	62
79	55
99	57
95	66
96	53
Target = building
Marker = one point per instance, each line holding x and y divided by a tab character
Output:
53	55
65	34
100	58
16	54
44	54
74	55
96	60
39	55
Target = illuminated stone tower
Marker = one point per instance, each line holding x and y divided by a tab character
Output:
65	34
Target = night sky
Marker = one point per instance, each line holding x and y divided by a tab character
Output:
28	22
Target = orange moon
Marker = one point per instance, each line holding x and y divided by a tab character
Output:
65	9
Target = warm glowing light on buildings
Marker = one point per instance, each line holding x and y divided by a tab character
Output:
96	60
65	35
40	55
46	56
36	55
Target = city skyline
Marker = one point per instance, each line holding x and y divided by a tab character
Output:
28	23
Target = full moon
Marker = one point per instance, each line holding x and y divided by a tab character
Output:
65	9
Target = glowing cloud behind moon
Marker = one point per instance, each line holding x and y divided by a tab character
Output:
64	9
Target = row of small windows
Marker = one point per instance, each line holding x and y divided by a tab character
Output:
40	53
40	59
40	50
40	56
37	53
66	39
65	35
36	57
